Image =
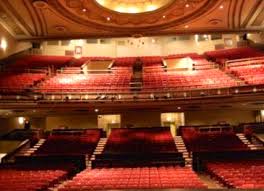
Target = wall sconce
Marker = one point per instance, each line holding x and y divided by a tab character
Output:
3	44
21	120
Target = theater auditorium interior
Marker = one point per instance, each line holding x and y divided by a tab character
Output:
131	95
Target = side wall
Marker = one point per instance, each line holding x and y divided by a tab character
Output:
145	46
13	46
135	118
233	117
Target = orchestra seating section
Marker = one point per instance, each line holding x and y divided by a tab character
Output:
134	178
24	178
37	61
245	174
209	141
18	82
137	147
118	80
158	78
70	144
142	140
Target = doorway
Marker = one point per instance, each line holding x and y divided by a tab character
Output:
172	120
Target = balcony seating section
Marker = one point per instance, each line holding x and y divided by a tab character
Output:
245	174
37	61
18	82
134	178
79	62
233	54
196	141
184	55
61	144
116	81
202	64
157	79
150	61
30	179
125	61
251	74
139	147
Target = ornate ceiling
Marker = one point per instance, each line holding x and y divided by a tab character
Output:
58	19
133	6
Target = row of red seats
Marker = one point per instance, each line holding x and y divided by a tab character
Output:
84	143
16	82
239	174
125	61
252	74
79	62
184	55
202	64
134	178
29	180
39	61
202	79
232	54
141	140
118	80
211	141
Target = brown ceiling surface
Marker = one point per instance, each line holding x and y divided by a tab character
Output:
59	19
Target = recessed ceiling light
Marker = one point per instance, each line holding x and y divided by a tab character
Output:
186	26
108	18
96	110
164	16
84	10
221	6
187	5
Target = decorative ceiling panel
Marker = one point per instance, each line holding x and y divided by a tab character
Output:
51	19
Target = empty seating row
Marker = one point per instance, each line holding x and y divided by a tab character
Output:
76	144
232	54
211	141
251	74
147	140
79	62
186	80
125	61
38	61
17	82
139	147
118	80
239	174
134	178
30	178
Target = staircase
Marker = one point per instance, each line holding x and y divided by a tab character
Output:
30	151
98	150
252	145
182	148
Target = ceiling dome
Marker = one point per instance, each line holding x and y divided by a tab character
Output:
133	6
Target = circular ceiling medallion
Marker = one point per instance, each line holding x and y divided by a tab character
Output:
133	6
60	28
40	4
